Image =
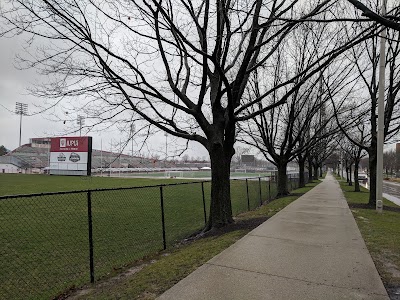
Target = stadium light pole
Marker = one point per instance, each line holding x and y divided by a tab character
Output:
80	121
166	149
381	112
21	109
101	156
132	132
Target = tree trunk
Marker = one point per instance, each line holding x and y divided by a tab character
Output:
350	183
302	179
310	172
221	208
320	171
282	179
315	172
372	178
347	174
342	169
356	182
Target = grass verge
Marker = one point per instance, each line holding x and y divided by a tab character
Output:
381	233
150	278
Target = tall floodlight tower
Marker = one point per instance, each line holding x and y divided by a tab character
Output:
80	121
166	149
133	128
21	109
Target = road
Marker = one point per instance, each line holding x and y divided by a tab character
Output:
391	191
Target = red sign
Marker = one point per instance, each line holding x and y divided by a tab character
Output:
70	144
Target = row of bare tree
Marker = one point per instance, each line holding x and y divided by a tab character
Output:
290	78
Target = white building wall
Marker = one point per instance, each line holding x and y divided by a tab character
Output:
9	168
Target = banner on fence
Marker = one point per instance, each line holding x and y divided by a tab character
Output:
71	155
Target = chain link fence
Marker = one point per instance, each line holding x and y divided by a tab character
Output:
53	242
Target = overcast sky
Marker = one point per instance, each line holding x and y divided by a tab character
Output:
13	88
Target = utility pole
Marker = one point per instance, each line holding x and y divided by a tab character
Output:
21	109
381	116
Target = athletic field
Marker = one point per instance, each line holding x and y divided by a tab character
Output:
181	174
44	244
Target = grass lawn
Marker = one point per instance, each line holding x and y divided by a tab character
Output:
44	244
166	269
194	174
381	233
14	184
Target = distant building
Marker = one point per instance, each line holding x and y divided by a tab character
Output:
9	164
248	160
40	142
34	158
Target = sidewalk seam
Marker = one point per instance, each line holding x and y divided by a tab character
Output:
291	278
328	245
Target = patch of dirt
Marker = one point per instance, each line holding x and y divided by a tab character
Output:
239	224
79	293
394	293
76	294
296	194
392	288
147	295
363	219
392	269
367	206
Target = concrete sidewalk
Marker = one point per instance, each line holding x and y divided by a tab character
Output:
312	249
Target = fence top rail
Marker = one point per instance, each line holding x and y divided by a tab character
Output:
255	177
4	197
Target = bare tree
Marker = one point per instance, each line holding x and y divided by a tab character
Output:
294	130
354	153
3	150
366	57
179	66
290	131
390	21
390	162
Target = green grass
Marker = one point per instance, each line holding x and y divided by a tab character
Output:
44	239
169	268
14	184
195	174
381	233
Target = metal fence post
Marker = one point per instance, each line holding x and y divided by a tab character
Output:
248	196
269	188
90	224
298	181
204	203
259	187
162	217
